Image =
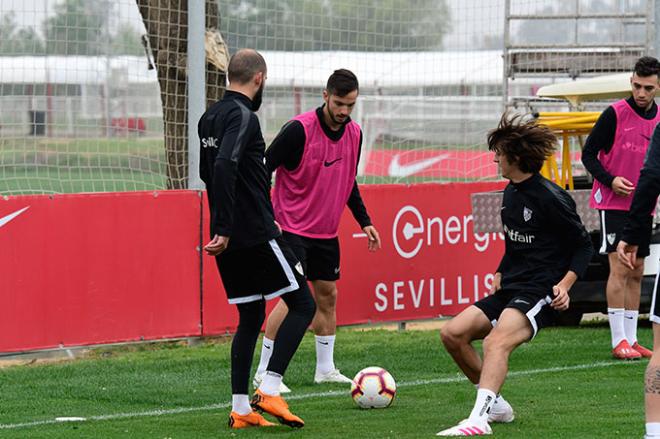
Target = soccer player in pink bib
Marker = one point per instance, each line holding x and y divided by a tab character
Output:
315	159
614	153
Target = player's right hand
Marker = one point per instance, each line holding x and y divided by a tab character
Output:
627	254
217	245
622	186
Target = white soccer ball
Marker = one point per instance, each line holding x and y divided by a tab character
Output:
373	388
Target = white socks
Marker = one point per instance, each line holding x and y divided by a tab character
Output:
240	404
630	318
271	384
652	429
615	316
266	352
325	347
482	406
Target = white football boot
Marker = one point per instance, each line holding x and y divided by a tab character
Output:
467	428
334	376
501	411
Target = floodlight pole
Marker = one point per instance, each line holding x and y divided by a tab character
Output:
196	65
656	28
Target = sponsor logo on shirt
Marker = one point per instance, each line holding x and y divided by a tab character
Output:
330	163
210	142
516	236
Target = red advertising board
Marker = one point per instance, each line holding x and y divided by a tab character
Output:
102	268
431	263
98	268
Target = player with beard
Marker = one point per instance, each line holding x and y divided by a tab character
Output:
613	154
254	262
546	249
315	158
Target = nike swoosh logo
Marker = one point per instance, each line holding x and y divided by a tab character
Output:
324	342
5	219
396	169
326	164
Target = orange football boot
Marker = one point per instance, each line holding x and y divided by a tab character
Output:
276	406
252	419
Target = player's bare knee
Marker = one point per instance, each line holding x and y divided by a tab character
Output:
497	342
452	338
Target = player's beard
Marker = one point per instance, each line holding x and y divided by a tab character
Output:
333	117
258	97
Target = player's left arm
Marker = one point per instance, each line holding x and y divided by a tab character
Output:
570	229
359	210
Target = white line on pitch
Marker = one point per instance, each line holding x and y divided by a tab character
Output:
359	235
175	411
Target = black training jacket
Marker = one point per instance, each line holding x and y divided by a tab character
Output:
544	236
232	164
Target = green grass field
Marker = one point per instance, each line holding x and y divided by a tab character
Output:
45	166
562	385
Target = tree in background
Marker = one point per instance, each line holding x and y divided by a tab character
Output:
361	25
18	41
126	41
78	27
166	22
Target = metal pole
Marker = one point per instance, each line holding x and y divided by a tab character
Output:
196	87
656	29
505	54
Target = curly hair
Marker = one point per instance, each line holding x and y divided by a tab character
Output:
522	142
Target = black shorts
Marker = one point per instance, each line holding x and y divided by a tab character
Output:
265	271
654	313
319	257
535	306
612	223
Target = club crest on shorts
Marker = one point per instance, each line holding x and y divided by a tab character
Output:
611	237
527	214
299	269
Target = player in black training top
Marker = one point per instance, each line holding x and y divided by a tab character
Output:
255	264
546	249
636	232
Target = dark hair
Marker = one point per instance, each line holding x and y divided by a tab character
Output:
342	82
522	142
244	64
647	66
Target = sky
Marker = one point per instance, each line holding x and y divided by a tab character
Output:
472	20
475	23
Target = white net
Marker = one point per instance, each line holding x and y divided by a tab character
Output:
430	76
81	111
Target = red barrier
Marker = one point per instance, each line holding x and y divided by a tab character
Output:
431	263
98	268
102	268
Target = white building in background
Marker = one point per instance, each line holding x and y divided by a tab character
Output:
408	95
